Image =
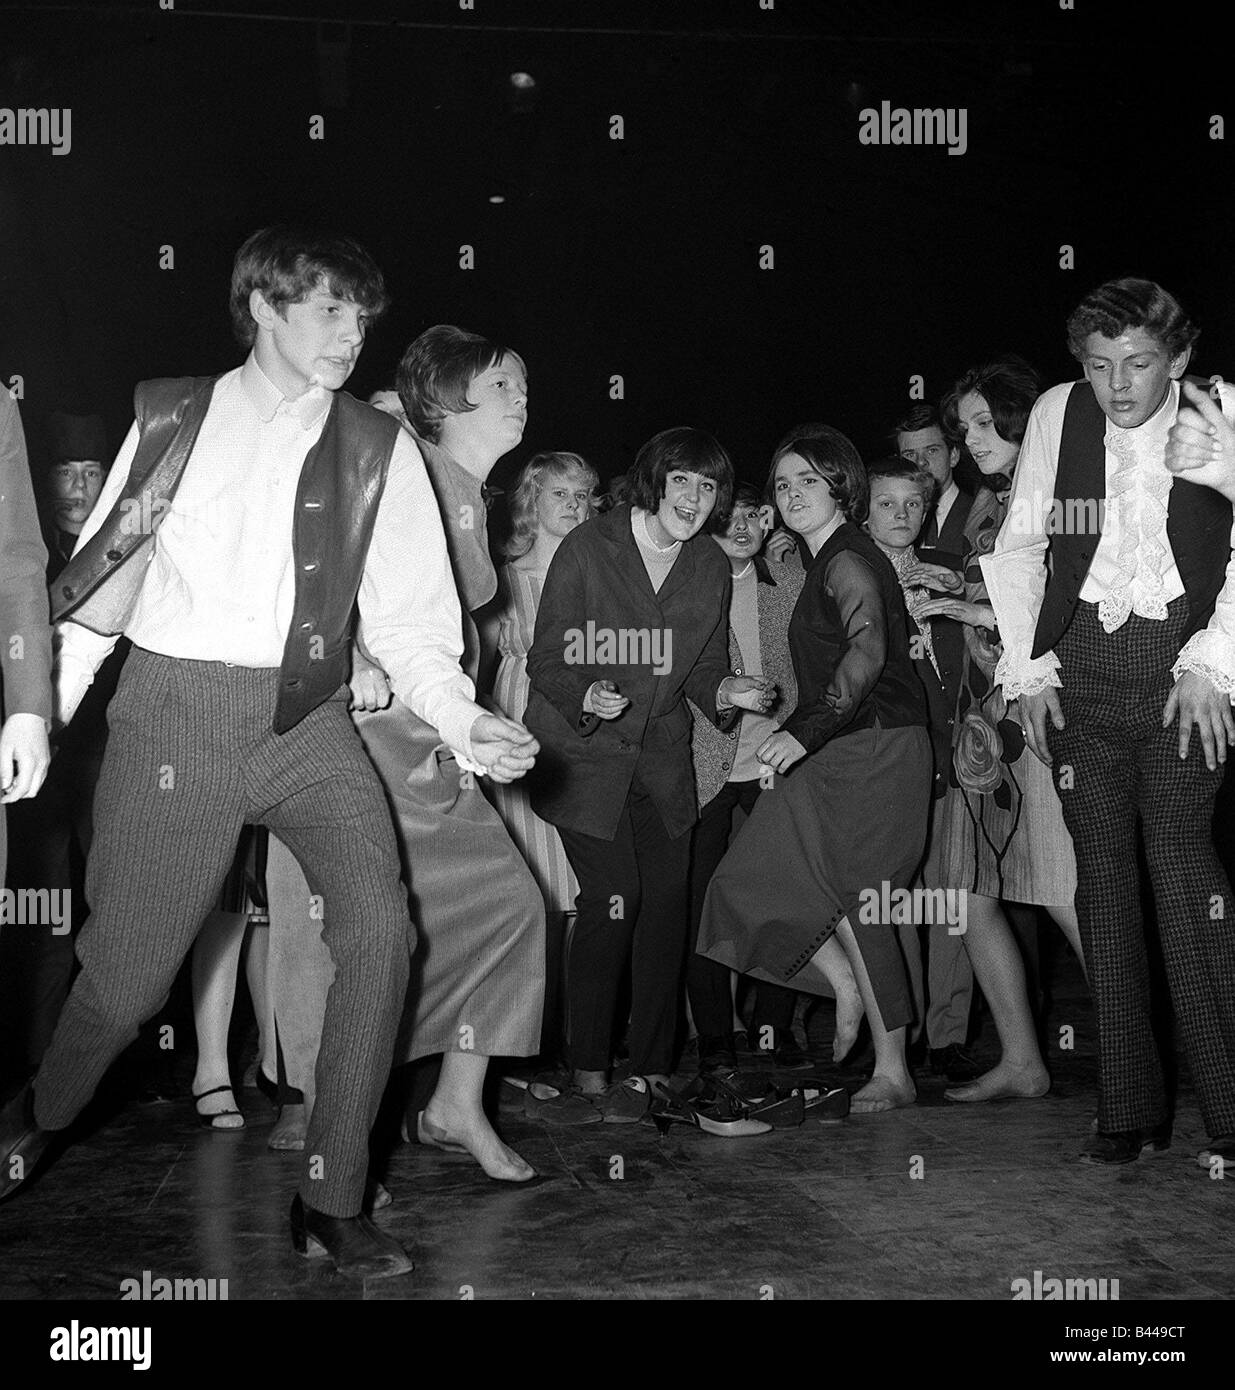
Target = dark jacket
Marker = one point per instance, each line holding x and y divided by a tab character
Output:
597	589
340	485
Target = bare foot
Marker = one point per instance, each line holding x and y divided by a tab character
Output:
472	1132
1003	1082
849	1014
289	1129
883	1093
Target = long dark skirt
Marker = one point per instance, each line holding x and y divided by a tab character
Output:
836	837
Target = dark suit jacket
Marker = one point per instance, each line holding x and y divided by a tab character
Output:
586	766
952	534
949	636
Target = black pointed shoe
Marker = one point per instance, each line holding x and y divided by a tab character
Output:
22	1142
354	1243
1127	1145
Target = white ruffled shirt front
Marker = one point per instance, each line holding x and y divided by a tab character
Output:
1133	569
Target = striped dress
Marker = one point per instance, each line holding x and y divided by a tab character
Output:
536	839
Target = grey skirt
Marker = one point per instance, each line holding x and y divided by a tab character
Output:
835	837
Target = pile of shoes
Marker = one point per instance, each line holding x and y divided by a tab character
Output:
734	1106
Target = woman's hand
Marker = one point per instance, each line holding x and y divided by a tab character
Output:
746	692
369	686
24	757
602	700
938	577
780	751
781	544
503	747
971	614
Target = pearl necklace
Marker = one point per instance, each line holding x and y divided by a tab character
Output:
741	574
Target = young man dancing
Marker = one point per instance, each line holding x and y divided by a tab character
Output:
1118	655
243	521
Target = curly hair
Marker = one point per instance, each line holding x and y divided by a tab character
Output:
1118	305
534	476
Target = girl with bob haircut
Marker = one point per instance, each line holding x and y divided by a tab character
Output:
633	619
437	372
846	827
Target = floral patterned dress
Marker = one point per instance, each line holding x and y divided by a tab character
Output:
1003	834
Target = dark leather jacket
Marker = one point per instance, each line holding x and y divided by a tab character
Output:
340	485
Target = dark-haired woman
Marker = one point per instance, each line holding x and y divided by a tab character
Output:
477	978
633	618
827	849
1003	833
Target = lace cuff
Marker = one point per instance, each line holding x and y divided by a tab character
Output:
1026	677
1212	655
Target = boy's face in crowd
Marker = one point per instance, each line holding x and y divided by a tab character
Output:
929	449
1130	374
743	537
315	342
75	486
896	512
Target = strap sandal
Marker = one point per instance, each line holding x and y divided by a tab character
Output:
781	1112
717	1117
208	1121
829	1105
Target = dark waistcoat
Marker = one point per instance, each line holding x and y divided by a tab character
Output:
1198	526
340	485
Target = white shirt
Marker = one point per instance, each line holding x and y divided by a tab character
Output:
944	505
220	583
1133	569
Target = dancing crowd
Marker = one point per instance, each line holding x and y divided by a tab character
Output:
482	791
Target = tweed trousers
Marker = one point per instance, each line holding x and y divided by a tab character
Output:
190	759
1114	762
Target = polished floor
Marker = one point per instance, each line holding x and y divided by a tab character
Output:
935	1202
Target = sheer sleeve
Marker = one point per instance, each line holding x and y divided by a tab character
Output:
832	699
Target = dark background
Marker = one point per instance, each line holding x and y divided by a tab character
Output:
636	257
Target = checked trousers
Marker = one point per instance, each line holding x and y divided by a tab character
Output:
1114	763
190	759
